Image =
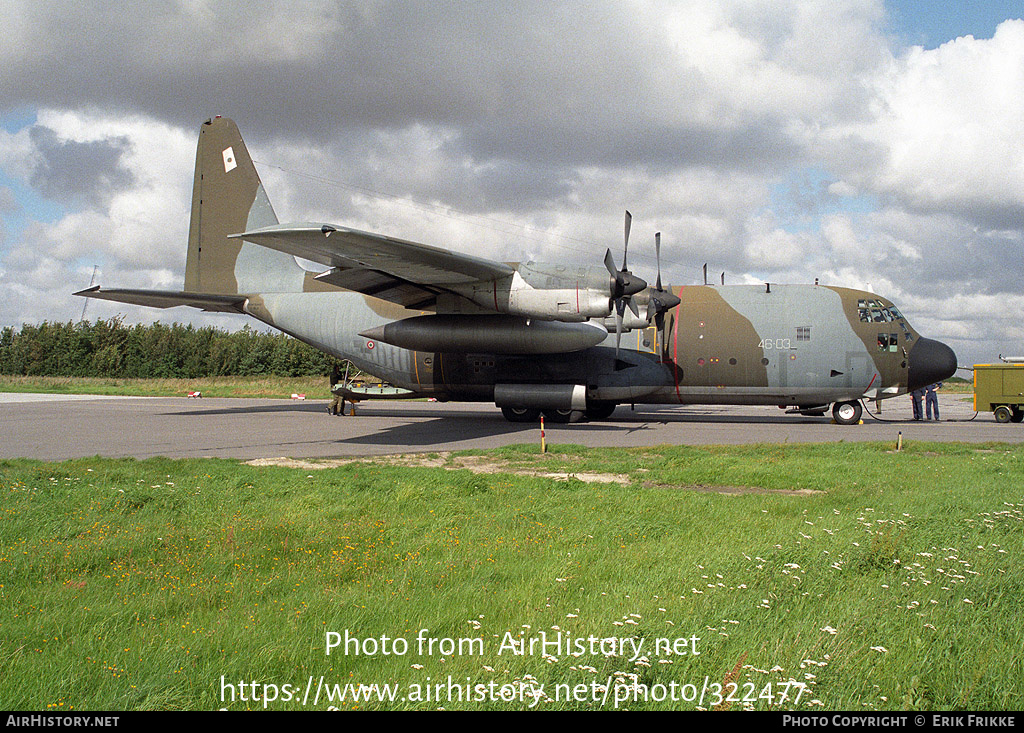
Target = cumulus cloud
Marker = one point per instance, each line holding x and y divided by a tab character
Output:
949	121
66	170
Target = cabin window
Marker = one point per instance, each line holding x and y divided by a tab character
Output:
803	333
888	341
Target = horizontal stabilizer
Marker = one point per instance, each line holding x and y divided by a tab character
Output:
169	299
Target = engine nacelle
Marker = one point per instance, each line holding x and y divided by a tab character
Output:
546	292
560	305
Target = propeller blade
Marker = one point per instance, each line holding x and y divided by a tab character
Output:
625	246
618	328
609	263
657	257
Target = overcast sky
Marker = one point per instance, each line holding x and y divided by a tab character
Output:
865	143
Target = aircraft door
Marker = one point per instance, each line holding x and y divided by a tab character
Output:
859	369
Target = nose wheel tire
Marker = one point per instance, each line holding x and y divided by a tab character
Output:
847	413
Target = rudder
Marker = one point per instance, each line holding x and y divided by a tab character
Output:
228	198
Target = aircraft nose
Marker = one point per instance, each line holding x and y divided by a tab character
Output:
929	362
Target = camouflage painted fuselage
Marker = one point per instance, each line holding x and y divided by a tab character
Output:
783	344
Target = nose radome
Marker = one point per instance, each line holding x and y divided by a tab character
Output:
929	362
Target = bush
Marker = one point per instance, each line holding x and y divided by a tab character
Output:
112	349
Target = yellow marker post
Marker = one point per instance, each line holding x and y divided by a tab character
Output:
543	445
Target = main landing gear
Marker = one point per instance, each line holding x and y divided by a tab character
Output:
594	411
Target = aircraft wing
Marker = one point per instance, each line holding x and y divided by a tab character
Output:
169	299
385	267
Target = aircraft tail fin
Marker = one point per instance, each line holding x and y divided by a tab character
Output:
228	198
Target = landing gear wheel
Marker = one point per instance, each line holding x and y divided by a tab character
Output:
600	410
520	414
847	413
563	416
1002	414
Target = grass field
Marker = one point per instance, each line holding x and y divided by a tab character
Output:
836	577
257	387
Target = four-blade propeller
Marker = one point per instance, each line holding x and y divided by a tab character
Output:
661	300
624	284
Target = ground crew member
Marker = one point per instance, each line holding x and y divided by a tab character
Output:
931	400
337	406
916	397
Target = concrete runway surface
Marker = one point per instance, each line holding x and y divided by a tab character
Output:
58	427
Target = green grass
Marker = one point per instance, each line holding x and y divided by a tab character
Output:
254	387
879	580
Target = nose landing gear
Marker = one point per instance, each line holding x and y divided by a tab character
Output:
847	413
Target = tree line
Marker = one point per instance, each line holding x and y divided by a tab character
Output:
109	348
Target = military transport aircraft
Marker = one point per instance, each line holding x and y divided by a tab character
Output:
533	338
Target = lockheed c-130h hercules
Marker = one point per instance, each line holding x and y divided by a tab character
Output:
532	338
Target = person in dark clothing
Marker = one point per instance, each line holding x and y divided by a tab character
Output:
337	406
916	396
931	400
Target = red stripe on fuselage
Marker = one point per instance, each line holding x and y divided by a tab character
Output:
675	357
